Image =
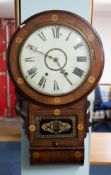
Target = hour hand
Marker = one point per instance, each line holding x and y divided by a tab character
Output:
65	75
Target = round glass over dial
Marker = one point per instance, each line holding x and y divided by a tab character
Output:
55	59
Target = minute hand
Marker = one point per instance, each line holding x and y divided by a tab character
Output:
36	50
63	72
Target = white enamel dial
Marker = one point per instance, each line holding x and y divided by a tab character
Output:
55	59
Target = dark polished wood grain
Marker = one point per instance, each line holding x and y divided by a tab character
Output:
64	156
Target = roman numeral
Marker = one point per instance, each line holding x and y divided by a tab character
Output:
42	82
81	59
56	87
30	59
78	72
68	36
55	31
78	45
32	72
42	36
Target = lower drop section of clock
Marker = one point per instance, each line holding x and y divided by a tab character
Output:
57	156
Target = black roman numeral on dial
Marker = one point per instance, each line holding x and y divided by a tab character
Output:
56	32
81	59
42	82
56	87
30	59
78	45
32	72
68	36
77	71
42	36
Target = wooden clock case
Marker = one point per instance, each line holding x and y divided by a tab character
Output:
55	126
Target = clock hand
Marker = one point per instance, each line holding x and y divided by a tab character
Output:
63	71
54	59
36	50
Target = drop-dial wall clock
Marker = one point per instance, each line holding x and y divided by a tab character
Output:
55	60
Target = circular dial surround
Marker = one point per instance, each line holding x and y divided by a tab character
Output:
55	18
55	59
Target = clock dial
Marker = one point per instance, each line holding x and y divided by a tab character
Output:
55	59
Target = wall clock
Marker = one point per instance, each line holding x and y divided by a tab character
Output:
55	60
